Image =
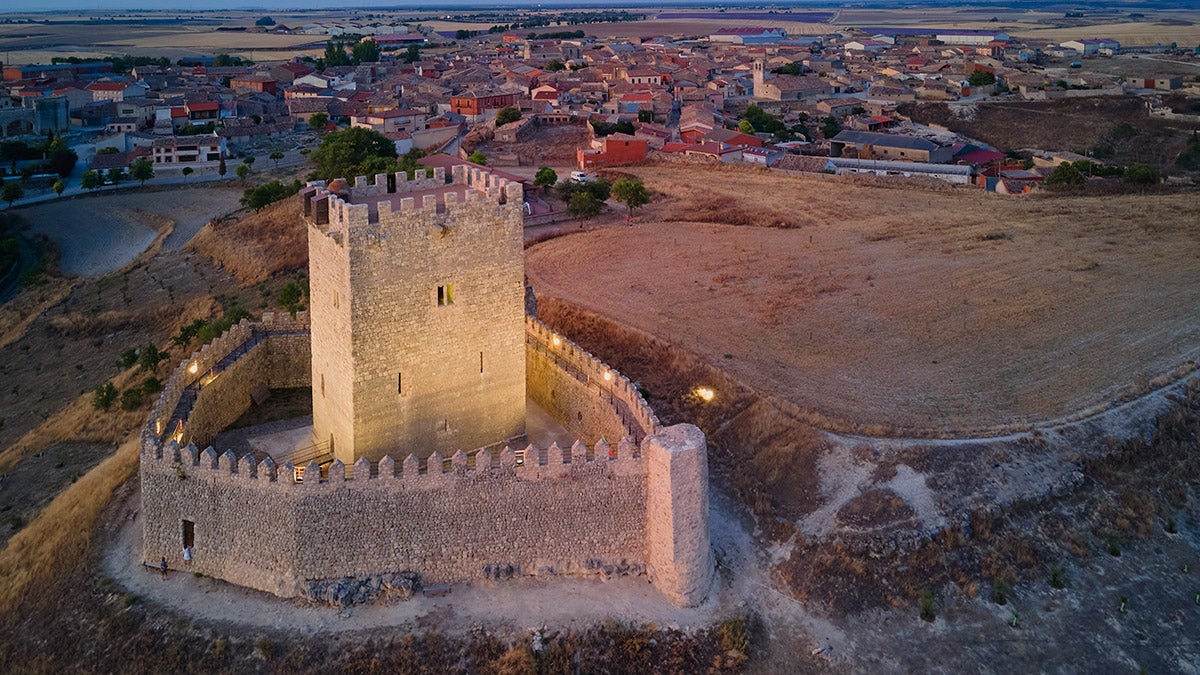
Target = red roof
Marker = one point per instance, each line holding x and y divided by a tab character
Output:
107	86
204	106
178	112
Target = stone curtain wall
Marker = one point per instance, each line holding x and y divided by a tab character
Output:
579	513
587	397
285	364
633	508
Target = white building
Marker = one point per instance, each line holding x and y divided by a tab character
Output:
972	37
1089	46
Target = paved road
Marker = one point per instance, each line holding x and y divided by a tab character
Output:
166	177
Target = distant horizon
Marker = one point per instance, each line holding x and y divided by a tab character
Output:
12	7
394	5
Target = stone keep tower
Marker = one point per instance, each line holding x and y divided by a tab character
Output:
417	308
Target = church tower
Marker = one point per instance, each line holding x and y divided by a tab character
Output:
417	310
759	77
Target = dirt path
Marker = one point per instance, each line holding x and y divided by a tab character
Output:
513	606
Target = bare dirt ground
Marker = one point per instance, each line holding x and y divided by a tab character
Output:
928	310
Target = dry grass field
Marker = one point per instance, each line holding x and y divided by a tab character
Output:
1127	33
900	308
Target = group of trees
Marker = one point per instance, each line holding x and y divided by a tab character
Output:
981	78
586	200
1069	174
58	157
359	151
361	51
604	128
762	121
261	196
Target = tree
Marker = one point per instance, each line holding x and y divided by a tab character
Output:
187	171
545	177
555	65
830	127
62	160
115	175
1065	174
290	296
104	396
746	127
265	21
59	187
223	61
242	171
221	169
1140	174
318	120
258	197
248	161
789	69
412	54
506	115
981	78
631	192
357	151
11	192
142	169
478	158
90	180
275	157
583	206
365	51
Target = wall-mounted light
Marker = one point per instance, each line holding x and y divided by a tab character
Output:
608	375
557	341
705	394
193	368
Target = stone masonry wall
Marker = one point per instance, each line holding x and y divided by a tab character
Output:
634	508
417	294
591	400
578	513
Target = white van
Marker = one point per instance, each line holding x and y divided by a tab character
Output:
579	177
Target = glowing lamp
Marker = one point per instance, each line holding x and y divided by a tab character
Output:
705	394
557	342
607	375
193	368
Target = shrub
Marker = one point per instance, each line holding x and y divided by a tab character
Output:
1140	174
104	396
151	385
1058	578
1064	174
1000	590
131	399
927	613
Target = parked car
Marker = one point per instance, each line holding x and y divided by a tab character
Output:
579	177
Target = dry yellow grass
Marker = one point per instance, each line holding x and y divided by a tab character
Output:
901	308
256	246
1133	33
78	421
61	537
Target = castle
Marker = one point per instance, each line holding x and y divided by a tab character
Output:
420	357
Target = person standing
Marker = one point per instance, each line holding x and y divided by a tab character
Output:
163	566
187	556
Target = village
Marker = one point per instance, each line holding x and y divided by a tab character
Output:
840	102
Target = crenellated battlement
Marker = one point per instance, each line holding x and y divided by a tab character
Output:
527	464
339	209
